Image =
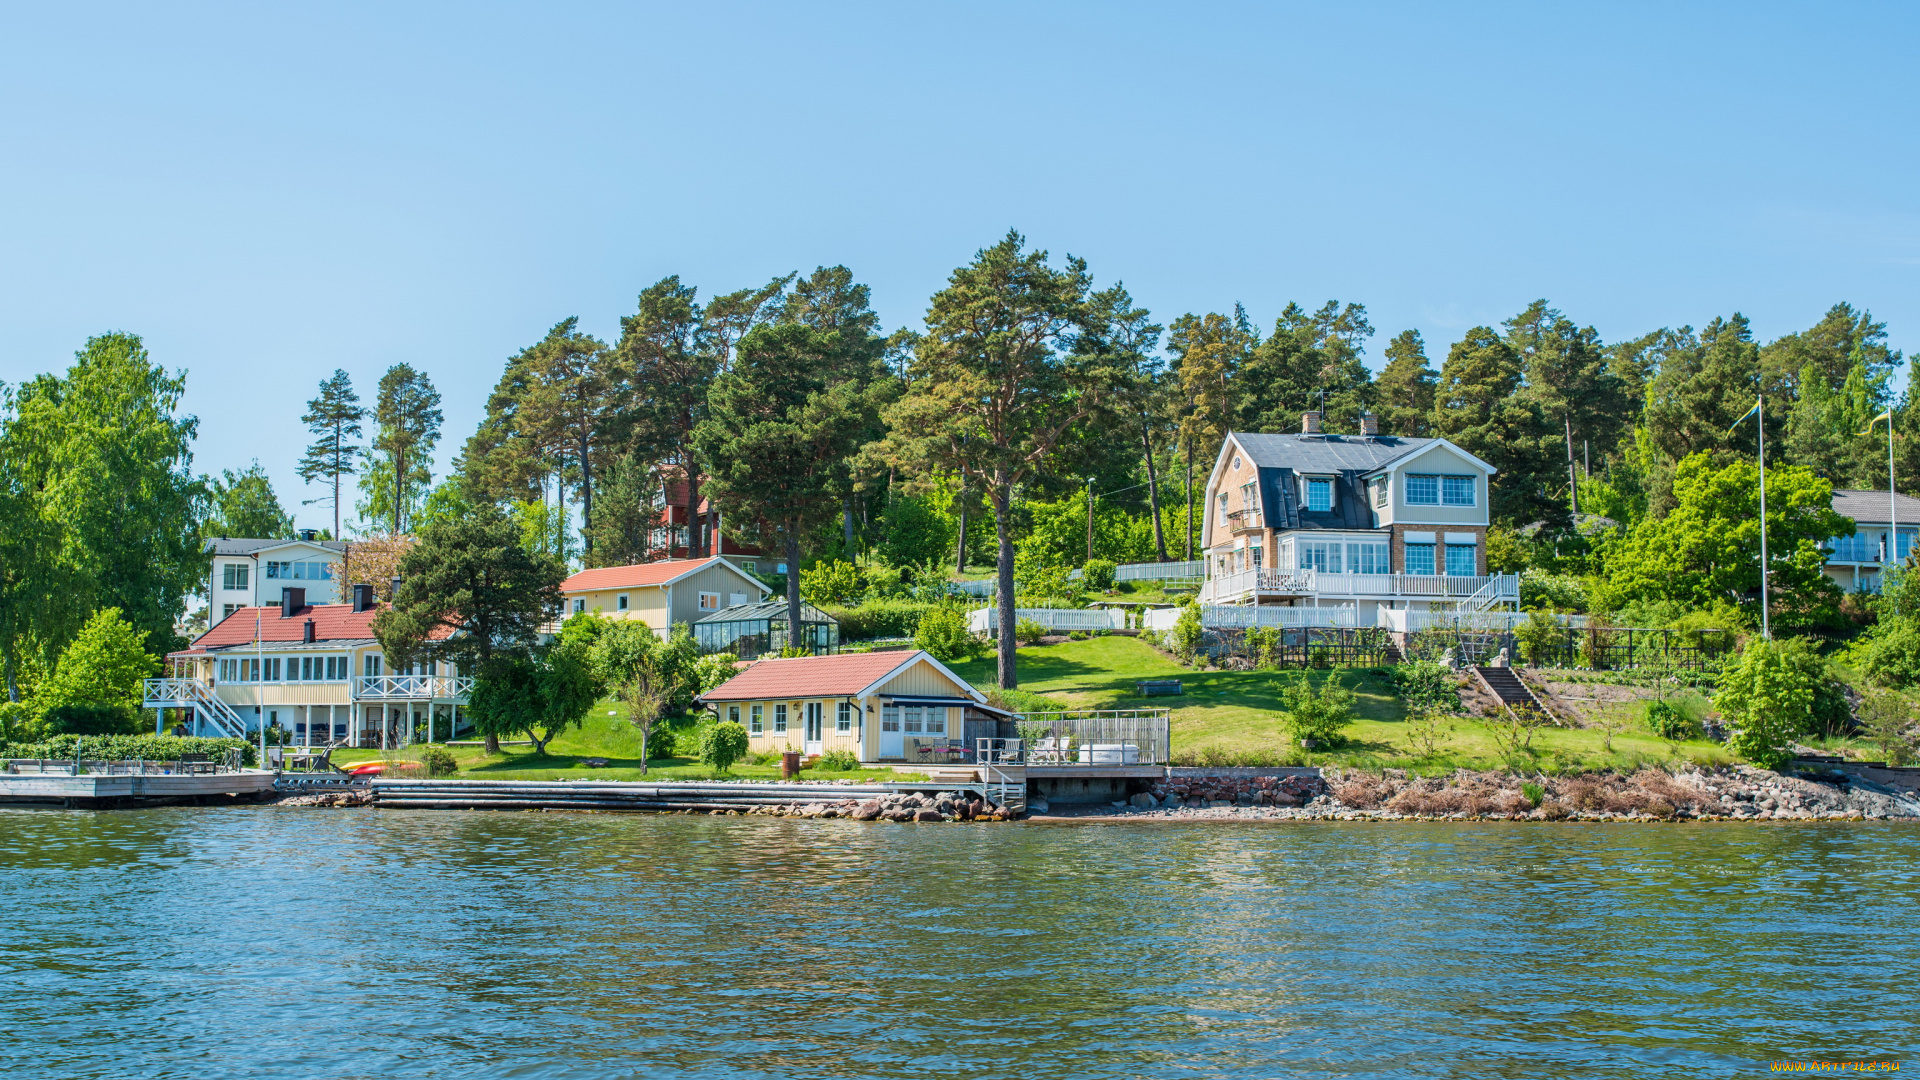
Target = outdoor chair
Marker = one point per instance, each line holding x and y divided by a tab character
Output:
276	757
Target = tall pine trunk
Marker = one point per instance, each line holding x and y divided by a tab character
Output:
586	507
695	549
1003	602
1153	491
792	551
1189	499
960	550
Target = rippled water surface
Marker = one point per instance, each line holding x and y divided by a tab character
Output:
310	943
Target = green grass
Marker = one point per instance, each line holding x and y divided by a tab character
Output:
1230	715
598	736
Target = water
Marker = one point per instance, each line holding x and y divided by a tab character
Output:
324	943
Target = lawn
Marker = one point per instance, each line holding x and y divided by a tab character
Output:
1229	717
599	736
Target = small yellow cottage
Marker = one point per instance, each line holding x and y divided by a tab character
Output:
887	707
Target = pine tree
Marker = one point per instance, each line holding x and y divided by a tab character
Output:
335	417
408	413
244	505
1405	387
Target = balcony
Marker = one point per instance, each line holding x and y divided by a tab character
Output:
454	688
1245	521
1255	585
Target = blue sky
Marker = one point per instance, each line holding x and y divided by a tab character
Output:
267	193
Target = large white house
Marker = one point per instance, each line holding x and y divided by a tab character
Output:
1365	521
245	573
1855	562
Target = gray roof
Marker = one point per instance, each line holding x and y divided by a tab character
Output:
771	609
235	545
1871	507
1326	453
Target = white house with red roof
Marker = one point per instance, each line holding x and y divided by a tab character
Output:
900	707
313	670
661	593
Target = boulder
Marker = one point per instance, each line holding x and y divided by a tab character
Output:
1036	805
1143	801
928	815
899	814
1285	798
866	811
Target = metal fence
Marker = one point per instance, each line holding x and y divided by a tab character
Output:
1302	646
1623	648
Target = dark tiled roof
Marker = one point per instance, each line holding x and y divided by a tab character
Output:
1326	453
235	545
1871	506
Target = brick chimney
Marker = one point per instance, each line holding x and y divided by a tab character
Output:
1369	424
291	601
306	632
1310	423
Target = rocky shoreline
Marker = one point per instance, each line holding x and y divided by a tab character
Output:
1741	793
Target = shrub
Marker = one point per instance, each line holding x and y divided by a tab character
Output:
1559	592
438	761
879	619
87	718
1427	686
833	582
1769	697
943	633
1319	716
1076	635
838	761
721	745
1538	637
1099	574
1187	632
1029	632
1263	645
1533	793
1023	701
129	747
1885	722
1670	723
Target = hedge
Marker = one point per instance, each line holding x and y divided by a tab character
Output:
128	748
879	619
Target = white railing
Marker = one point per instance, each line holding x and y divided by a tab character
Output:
1321	583
1253	582
198	696
1230	616
974	588
1161	571
412	687
1491	622
1083	737
984	620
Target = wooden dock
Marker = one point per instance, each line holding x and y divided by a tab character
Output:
629	795
96	791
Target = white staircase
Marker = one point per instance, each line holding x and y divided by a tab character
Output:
198	696
1499	589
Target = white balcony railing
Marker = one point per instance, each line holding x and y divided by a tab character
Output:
412	687
1252	583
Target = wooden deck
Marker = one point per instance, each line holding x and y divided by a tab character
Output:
123	789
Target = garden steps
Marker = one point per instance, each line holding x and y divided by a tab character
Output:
1504	683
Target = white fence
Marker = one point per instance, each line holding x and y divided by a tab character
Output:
987	619
1486	622
1223	616
1161	571
1492	588
975	588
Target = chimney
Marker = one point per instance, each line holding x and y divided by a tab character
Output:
291	601
306	633
309	534
1369	424
1310	423
395	593
362	598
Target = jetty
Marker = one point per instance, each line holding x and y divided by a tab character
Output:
110	784
658	797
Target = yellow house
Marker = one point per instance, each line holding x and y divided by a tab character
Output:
886	707
661	593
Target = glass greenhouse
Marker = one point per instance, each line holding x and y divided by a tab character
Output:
751	630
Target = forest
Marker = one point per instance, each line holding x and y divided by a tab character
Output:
881	461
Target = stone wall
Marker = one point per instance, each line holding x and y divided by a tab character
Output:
1216	790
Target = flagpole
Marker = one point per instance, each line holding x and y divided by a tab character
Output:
1766	630
1893	503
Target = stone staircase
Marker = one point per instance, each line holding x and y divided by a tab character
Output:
1513	691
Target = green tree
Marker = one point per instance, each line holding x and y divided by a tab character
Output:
1707	549
1568	374
992	391
1406	387
1769	698
913	533
103	508
244	505
1311	361
835	582
624	515
1479	408
407	412
1705	383
470	593
103	666
334	419
721	745
1319	716
943	633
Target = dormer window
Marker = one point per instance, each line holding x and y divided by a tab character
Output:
1320	495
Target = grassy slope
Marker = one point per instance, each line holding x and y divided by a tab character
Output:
598	736
1233	712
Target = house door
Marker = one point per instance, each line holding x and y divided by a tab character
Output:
816	721
891	747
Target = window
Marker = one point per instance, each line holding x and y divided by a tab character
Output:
709	601
779	719
1456	490
227	610
273	669
1423	490
1223	506
1419	558
1460	561
336	667
233	575
937	720
579	606
748	565
1236	463
843	719
1320	555
370	665
300	571
1249	497
1320	495
620	602
913	720
733	714
1367	559
1380	491
755	719
1256	556
890	718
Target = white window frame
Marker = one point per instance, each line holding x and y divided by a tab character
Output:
579	605
1380	492
233	577
843	718
1433	556
1312	483
620	602
937	721
1409	496
1449	483
780	718
706	596
756	719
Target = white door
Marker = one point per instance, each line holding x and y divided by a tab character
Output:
816	721
891	748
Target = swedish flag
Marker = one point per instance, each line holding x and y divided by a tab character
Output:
1744	415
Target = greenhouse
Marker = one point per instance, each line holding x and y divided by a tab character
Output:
749	631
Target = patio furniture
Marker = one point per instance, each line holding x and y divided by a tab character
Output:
191	764
276	758
1159	687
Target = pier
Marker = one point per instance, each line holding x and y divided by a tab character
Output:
111	784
